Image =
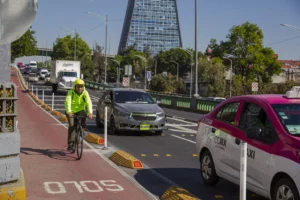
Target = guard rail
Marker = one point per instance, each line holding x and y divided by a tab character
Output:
176	101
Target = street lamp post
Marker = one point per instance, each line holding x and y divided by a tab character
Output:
75	39
291	26
196	51
191	82
230	80
145	60
118	71
105	21
177	69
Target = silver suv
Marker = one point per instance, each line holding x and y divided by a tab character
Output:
130	110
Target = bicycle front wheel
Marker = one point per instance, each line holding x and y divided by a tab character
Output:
79	141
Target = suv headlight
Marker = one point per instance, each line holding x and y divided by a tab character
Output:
161	114
124	114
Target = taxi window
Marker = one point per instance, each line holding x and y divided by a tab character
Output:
255	116
228	112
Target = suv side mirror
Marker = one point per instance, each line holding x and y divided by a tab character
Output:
253	132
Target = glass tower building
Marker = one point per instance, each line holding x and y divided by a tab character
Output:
151	24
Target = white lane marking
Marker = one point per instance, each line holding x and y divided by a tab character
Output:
116	167
181	120
183	138
182	125
179	131
59	188
187	130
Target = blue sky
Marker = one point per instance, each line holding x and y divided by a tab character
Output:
215	18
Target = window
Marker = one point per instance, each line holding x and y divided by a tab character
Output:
228	112
289	116
255	116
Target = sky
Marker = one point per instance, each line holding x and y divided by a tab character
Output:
215	18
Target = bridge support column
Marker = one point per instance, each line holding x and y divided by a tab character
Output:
4	63
12	184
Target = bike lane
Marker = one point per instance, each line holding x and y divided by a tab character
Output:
51	172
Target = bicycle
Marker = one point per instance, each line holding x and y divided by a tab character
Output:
78	136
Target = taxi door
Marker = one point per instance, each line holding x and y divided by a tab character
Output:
259	150
224	126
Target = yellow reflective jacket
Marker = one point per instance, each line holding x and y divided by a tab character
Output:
75	103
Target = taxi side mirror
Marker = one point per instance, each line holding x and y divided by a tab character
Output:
253	132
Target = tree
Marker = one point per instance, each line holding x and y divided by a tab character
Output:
251	61
164	61
24	46
99	63
64	48
213	73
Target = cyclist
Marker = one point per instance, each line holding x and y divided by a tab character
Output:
76	102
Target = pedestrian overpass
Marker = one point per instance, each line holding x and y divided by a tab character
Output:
48	52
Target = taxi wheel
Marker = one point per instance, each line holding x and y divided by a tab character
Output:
208	171
285	189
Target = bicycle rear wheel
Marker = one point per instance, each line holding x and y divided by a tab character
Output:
79	143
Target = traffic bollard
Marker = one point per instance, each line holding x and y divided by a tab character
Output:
243	171
43	96
52	101
105	128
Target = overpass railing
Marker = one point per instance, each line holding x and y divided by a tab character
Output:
176	101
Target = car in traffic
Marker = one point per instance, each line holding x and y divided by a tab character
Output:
33	77
130	110
270	125
43	73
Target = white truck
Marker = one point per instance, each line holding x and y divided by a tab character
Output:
63	74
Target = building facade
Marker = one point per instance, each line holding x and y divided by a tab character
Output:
152	25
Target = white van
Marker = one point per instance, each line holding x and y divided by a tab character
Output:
33	65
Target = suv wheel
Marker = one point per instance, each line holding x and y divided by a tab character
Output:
112	126
98	123
285	189
208	171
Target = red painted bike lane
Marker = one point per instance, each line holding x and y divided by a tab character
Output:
51	172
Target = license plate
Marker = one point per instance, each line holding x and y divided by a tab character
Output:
144	127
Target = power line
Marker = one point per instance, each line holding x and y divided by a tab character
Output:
283	41
92	29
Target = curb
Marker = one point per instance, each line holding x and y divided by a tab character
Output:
188	120
14	191
177	193
124	159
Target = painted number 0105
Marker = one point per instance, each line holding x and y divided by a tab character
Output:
88	186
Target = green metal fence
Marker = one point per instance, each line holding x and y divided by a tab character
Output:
180	101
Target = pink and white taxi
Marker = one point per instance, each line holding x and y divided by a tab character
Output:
270	124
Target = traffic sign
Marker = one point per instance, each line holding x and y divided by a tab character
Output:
126	81
149	75
128	70
254	87
165	74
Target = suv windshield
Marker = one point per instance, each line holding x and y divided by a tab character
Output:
133	97
289	116
69	74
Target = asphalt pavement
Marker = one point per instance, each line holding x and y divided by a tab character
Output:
169	159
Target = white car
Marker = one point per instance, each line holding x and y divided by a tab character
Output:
33	77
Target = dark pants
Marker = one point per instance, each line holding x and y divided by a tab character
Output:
71	128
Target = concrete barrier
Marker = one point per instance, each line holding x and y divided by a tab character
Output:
124	159
177	193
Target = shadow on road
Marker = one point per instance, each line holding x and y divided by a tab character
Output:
190	180
59	154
